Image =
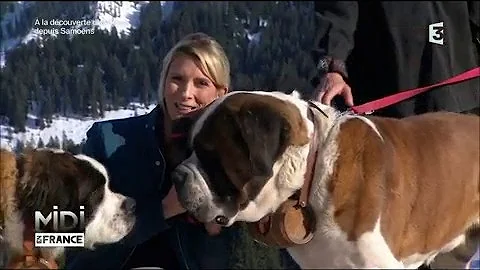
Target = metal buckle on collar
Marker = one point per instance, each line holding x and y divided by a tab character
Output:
352	112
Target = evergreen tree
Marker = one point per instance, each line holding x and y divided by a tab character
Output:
56	142
115	81
50	143
71	147
64	140
94	93
40	144
57	92
21	106
19	147
146	89
10	31
67	102
36	89
53	142
80	86
47	105
30	144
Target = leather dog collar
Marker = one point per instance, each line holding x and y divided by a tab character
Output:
281	227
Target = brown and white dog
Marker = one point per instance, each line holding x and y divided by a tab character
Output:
40	178
387	193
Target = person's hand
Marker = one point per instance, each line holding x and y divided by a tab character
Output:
334	85
171	205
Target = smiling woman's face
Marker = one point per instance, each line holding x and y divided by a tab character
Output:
187	88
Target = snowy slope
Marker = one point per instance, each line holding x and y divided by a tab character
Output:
2	58
121	14
74	129
124	15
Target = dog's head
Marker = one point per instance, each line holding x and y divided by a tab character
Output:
50	177
249	155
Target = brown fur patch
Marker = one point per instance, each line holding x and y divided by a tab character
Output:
423	180
8	180
284	109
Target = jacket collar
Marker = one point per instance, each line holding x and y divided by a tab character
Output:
154	126
152	116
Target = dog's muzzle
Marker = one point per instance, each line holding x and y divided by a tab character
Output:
179	177
191	193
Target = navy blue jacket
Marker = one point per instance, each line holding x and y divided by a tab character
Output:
130	150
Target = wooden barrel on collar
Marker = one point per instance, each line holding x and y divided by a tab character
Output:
290	225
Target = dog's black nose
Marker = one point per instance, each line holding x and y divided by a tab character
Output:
128	205
221	220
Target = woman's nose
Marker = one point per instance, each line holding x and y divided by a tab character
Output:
187	90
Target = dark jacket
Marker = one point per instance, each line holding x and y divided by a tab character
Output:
385	48
131	153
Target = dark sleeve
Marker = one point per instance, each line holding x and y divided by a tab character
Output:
474	18
474	12
474	15
335	24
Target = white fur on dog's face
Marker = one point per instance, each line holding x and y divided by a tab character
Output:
197	197
110	222
288	175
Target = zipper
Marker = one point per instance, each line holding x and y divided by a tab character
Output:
180	246
181	249
128	257
176	227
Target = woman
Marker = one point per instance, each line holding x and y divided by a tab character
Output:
195	72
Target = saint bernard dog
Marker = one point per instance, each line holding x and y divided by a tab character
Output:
41	178
387	193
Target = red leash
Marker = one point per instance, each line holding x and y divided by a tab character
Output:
389	100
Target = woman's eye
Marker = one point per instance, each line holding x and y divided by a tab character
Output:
204	83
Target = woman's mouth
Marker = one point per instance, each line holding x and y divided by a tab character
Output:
184	109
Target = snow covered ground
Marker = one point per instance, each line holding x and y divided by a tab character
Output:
74	129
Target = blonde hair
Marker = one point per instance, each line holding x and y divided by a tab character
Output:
207	52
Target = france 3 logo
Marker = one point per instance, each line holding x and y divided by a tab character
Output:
436	33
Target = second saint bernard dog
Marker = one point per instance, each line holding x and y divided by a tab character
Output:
387	193
41	178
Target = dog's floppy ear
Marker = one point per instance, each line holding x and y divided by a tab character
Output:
266	135
49	179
